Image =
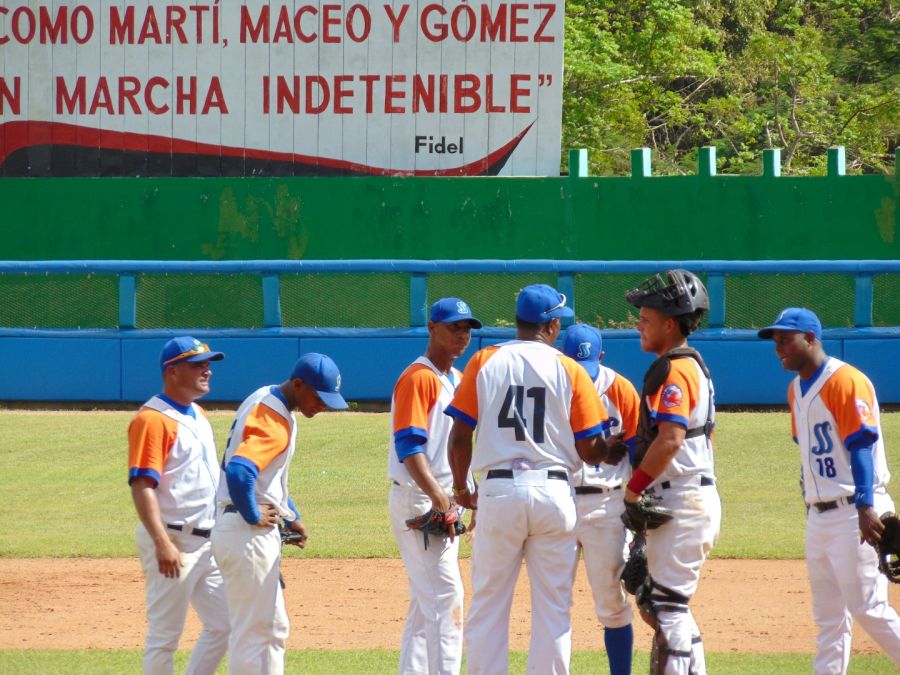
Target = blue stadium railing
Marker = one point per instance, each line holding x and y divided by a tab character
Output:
120	364
418	270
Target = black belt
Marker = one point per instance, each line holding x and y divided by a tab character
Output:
231	508
197	532
822	507
705	481
594	490
508	473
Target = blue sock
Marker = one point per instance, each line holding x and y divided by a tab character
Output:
619	643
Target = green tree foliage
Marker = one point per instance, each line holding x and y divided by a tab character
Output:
742	75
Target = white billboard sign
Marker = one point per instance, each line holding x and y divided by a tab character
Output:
309	87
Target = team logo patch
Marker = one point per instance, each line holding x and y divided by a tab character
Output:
337	383
584	350
864	410
672	396
462	307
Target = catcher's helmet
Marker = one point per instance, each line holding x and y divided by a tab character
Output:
680	292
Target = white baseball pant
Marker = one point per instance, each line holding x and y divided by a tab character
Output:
432	635
676	552
602	536
250	558
847	586
529	516
199	584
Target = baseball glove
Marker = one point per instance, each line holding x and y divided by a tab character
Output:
645	514
888	547
636	568
438	523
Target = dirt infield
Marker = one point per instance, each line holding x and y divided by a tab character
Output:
742	606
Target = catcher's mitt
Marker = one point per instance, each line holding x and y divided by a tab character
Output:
645	514
889	547
636	568
438	523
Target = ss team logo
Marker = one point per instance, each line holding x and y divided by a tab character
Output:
462	308
337	383
584	350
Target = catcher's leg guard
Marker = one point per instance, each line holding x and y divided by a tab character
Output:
657	599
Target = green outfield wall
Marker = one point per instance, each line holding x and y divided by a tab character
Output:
584	218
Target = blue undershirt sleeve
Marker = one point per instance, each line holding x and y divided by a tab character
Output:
240	474
409	444
293	507
862	467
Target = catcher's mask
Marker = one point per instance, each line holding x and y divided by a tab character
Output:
680	292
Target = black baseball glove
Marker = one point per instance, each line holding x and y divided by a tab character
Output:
438	523
636	568
645	514
888	547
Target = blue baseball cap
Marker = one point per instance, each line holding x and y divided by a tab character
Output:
583	343
186	348
539	303
321	373
796	319
448	310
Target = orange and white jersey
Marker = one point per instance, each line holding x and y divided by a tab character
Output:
417	416
264	432
838	410
686	397
529	402
176	449
622	404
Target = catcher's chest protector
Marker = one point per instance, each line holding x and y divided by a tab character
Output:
653	380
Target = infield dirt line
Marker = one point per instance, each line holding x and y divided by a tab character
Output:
758	606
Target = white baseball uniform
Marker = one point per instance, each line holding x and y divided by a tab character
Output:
599	503
677	550
432	635
529	403
174	445
831	412
264	432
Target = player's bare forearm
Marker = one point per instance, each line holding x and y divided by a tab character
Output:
459	453
870	526
660	453
597	449
418	469
147	506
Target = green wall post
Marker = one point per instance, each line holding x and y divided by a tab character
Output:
706	161
837	161
772	162
578	163
641	166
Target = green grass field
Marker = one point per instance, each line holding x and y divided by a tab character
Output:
69	470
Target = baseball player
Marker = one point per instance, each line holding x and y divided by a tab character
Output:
173	474
420	472
598	499
254	500
836	423
674	462
538	417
